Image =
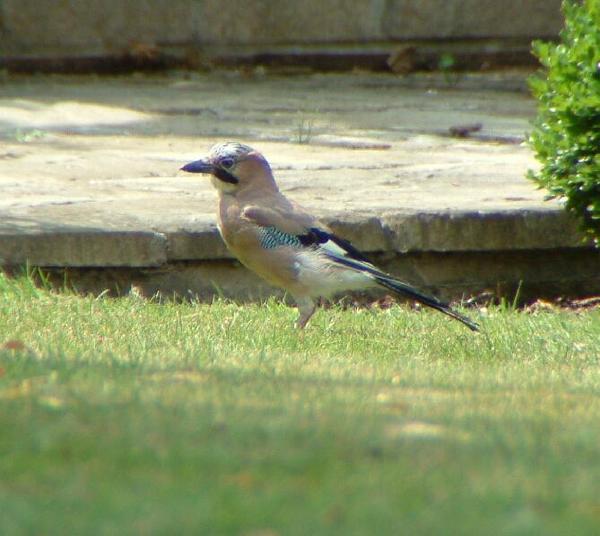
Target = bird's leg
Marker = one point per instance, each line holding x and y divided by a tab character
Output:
306	308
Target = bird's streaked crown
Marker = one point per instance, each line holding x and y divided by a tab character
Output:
229	149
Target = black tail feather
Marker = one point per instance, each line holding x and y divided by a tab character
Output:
405	290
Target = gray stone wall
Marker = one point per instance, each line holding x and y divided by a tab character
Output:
82	27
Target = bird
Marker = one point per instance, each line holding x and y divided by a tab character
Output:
284	244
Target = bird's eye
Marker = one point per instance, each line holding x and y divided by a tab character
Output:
227	162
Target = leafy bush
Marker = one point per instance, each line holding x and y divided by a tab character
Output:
566	135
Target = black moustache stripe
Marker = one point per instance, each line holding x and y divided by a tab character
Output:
224	176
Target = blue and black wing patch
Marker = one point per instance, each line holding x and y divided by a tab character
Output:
271	237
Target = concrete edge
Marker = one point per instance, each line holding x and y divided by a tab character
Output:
83	248
441	232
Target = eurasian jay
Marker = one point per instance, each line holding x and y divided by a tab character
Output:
283	244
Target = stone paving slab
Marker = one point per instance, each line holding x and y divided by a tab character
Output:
89	166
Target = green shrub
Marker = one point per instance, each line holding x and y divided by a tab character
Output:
566	135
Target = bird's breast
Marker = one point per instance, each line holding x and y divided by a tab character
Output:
245	241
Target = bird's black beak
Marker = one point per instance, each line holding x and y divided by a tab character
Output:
198	166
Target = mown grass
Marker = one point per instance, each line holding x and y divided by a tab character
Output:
130	416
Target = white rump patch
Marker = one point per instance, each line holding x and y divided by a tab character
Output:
327	278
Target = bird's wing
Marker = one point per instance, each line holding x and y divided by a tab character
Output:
301	230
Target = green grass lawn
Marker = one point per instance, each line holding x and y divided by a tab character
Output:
129	416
